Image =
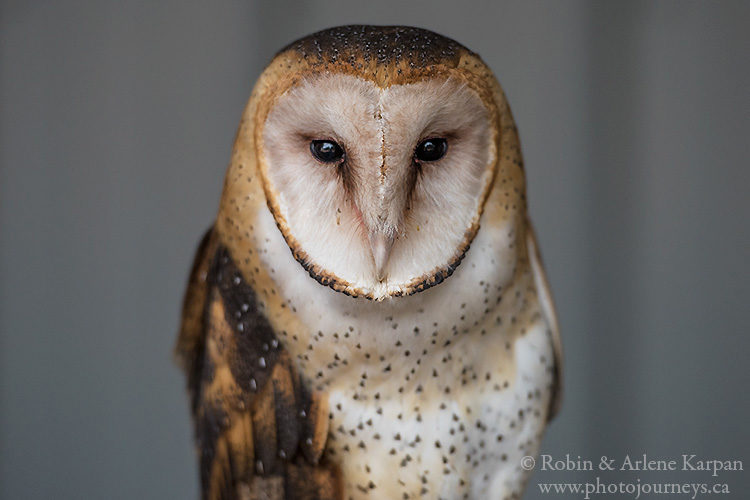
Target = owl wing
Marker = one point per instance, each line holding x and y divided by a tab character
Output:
550	316
260	430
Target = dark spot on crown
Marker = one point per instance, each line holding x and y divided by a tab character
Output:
383	44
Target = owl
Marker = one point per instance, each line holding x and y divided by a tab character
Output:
368	317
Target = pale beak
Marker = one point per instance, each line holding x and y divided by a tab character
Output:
380	245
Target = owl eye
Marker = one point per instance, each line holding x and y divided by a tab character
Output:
431	149
326	151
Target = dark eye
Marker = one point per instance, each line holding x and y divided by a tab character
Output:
326	151
431	149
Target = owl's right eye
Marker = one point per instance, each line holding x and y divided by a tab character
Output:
326	151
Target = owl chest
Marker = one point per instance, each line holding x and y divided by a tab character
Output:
416	439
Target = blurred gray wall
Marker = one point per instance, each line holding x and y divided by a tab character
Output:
116	122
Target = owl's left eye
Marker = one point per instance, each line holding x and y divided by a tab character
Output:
431	149
326	151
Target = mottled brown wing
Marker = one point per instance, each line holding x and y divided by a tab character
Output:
260	430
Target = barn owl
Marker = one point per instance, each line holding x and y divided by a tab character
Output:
368	317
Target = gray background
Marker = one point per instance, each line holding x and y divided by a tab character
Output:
116	122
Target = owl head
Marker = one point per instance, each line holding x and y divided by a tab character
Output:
375	150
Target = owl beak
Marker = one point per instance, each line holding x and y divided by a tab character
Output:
380	245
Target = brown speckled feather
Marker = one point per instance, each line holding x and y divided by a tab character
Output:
260	430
